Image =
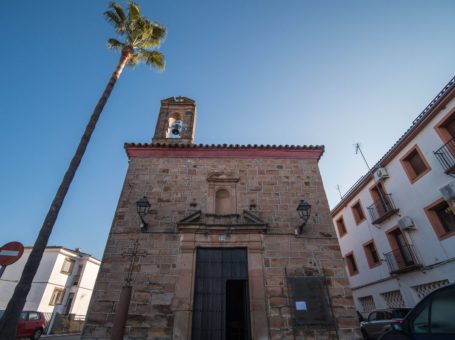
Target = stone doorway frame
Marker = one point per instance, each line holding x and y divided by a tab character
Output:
186	268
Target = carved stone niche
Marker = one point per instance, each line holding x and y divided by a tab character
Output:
222	198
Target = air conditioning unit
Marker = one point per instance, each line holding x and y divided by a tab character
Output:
448	191
380	174
406	223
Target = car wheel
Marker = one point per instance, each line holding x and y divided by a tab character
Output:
365	334
37	334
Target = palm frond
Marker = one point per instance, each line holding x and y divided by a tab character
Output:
153	36
119	10
135	59
154	59
115	44
134	11
159	32
116	21
145	34
113	18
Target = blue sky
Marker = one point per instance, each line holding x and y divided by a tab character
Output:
262	72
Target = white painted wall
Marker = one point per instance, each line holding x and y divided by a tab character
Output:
85	287
411	200
49	277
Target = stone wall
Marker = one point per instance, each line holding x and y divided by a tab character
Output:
177	187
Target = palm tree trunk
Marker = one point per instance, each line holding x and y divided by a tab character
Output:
8	322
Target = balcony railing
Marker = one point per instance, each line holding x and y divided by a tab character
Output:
446	156
402	260
381	209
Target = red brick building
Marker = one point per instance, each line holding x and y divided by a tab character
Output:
219	253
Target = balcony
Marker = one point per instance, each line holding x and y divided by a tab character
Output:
446	156
402	260
382	209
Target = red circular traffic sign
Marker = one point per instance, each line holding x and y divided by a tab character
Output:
10	253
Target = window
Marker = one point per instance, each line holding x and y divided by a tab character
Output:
57	297
352	265
33	316
371	254
442	218
393	299
357	212
367	303
78	275
341	227
414	164
446	128
68	265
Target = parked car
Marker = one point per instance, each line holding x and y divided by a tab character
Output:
31	324
379	321
432	318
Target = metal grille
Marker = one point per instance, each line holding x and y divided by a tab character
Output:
367	303
402	259
214	267
309	301
425	289
394	299
382	208
446	156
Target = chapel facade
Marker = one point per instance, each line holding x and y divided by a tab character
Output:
220	251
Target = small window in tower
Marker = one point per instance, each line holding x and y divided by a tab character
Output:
222	202
175	126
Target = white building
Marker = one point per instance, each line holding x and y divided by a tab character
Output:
63	284
396	225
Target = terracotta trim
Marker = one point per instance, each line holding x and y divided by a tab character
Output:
379	186
371	264
435	222
393	244
358	220
396	148
244	153
351	270
440	130
341	227
409	170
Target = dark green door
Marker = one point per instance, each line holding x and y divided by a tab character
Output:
221	308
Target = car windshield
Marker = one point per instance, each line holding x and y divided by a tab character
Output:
399	313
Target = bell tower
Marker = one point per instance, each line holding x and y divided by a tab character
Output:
176	121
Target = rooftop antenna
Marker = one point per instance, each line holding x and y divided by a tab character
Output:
339	191
357	150
381	195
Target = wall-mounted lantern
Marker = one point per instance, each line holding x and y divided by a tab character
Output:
304	211
143	206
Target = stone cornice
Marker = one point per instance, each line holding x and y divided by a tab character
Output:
223	151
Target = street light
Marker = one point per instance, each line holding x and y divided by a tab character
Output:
304	211
143	206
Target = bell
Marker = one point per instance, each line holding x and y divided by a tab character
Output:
175	129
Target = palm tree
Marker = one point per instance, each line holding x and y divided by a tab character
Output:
141	38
